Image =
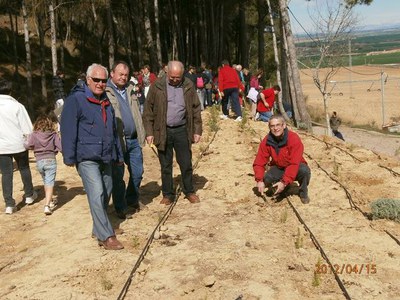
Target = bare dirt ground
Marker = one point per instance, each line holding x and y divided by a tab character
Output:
233	244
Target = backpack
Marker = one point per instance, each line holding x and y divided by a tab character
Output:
200	82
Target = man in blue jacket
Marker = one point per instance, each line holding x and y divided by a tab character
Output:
90	142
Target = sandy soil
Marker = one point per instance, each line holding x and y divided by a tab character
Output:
232	245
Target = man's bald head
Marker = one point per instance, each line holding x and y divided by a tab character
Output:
175	72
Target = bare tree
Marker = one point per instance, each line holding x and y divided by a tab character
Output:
53	38
298	102
333	23
28	57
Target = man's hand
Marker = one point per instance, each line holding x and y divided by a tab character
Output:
196	138
280	186
150	139
261	186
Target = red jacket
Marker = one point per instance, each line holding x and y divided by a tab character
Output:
269	95
152	78
289	158
228	78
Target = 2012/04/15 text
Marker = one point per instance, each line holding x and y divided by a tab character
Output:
346	269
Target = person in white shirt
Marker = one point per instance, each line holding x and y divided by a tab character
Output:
15	125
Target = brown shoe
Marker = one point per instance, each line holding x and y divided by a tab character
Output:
111	244
118	231
166	201
193	198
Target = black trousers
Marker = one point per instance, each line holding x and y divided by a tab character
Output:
274	174
177	140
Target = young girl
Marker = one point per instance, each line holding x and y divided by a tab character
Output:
45	143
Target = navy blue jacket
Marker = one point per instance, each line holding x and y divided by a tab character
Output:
84	135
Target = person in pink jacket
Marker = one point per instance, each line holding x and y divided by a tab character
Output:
282	150
45	143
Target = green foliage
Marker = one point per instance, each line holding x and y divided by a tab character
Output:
299	240
386	209
213	121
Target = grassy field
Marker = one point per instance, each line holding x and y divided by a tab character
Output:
362	46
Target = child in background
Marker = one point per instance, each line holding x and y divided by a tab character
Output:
45	143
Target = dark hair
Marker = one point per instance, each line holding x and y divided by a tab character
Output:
225	62
59	72
5	87
119	62
277	88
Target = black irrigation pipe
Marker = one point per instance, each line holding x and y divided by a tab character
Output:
351	202
352	155
321	250
146	248
393	237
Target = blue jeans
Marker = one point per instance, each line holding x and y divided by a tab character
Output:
97	181
6	168
47	168
233	93
133	158
265	116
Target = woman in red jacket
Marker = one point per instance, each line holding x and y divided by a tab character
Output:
282	150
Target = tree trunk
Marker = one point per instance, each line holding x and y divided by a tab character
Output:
14	40
243	43
277	62
157	31
111	43
28	60
40	20
260	34
136	35
53	38
301	104
292	90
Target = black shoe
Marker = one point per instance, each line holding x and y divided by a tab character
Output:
123	216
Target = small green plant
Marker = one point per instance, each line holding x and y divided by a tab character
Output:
213	120
335	167
106	284
316	281
284	215
135	242
299	240
386	209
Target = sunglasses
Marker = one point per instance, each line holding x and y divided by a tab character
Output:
97	80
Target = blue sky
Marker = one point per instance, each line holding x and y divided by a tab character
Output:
380	12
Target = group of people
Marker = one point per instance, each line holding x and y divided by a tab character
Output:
102	130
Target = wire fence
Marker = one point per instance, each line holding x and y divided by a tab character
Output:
362	95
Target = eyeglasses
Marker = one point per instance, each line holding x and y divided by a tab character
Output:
97	80
276	125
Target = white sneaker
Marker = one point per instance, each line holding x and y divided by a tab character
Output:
53	203
31	199
47	210
238	119
223	117
10	210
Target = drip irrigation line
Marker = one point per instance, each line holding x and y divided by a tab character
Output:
321	250
348	153
146	248
333	145
390	170
372	74
393	237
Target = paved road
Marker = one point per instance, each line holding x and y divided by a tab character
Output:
388	144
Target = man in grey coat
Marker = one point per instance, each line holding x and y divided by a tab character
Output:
132	137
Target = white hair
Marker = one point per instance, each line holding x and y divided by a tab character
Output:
93	66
